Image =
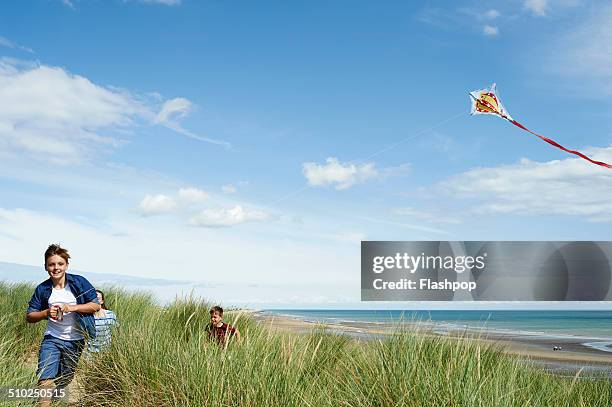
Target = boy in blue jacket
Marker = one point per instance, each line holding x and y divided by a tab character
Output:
67	302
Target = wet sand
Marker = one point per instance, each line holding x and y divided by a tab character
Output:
574	357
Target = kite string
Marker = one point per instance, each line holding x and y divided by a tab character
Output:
377	153
418	133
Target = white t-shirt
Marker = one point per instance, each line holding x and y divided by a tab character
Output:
67	328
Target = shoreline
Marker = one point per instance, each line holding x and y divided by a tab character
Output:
534	349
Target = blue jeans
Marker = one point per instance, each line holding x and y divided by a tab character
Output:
58	358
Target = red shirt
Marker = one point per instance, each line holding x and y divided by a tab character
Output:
220	333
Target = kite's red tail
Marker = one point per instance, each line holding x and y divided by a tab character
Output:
554	143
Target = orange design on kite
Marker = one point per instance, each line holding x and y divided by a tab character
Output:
487	103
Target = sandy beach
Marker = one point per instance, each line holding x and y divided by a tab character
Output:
573	356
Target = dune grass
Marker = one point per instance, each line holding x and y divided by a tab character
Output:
160	356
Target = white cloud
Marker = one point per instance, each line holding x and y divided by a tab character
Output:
192	195
52	115
571	186
5	42
228	189
156	204
492	14
490	30
173	111
226	217
341	175
537	7
160	203
185	206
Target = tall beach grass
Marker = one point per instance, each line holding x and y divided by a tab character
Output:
161	356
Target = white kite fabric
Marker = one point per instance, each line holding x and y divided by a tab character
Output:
486	101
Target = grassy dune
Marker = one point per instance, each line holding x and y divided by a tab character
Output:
161	357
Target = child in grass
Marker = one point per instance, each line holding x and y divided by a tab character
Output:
219	330
67	302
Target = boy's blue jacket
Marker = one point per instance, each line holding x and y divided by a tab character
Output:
82	290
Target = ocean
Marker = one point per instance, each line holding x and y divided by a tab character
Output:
579	324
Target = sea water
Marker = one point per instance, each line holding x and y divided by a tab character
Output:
595	325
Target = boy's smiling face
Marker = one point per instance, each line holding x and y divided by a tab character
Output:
56	266
216	318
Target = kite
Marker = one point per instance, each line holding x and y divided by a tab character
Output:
486	101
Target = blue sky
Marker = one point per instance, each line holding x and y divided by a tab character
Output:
260	142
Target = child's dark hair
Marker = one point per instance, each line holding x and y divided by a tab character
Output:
216	308
56	250
103	305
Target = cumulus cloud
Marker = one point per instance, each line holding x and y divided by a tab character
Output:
156	204
160	203
51	114
570	186
490	30
537	7
192	195
226	217
186	205
341	175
